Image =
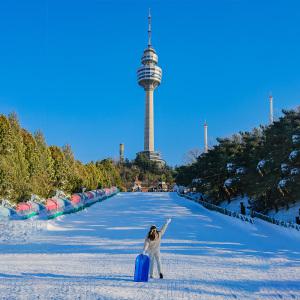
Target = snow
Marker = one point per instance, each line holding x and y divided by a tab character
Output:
283	214
261	164
205	255
295	171
283	182
235	204
230	181
286	215
230	167
240	171
293	155
197	181
296	139
284	168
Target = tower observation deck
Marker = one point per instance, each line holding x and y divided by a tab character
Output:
149	76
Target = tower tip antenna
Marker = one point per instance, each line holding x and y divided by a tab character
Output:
149	28
205	138
271	113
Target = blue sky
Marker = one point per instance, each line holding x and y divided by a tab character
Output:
68	68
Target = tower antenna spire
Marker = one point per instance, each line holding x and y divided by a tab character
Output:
149	29
271	113
205	138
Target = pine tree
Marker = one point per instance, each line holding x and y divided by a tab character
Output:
18	163
43	176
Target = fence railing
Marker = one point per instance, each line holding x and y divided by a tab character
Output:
245	218
219	209
275	221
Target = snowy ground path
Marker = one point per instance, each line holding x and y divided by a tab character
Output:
205	255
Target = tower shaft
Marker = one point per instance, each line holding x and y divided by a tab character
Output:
121	150
271	114
205	139
149	122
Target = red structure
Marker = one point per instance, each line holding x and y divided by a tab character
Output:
76	199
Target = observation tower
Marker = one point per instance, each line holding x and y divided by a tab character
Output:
149	77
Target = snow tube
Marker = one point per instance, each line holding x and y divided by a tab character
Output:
141	271
75	199
107	192
52	204
55	207
27	209
91	197
101	193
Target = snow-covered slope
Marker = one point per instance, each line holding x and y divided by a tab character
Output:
235	204
283	214
286	215
205	255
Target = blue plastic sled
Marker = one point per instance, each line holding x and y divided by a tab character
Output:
141	272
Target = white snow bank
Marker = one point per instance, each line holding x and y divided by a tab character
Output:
286	215
234	204
21	230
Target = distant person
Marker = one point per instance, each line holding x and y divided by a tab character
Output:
152	247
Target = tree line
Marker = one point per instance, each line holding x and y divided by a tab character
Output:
145	170
262	164
29	166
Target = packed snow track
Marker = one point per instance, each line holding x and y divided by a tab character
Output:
205	255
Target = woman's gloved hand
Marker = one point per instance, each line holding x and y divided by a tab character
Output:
169	221
144	252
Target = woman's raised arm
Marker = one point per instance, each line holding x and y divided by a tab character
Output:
164	228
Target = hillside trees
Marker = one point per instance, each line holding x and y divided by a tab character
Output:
145	170
29	166
250	163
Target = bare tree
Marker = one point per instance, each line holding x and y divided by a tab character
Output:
191	156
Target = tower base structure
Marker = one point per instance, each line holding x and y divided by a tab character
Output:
154	156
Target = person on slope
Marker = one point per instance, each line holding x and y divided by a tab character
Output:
152	247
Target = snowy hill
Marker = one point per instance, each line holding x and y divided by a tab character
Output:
283	214
286	215
234	204
205	255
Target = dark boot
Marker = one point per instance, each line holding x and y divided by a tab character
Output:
161	276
